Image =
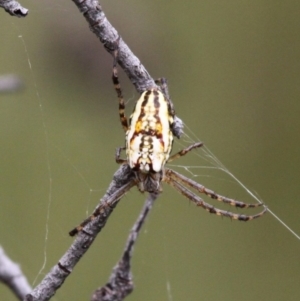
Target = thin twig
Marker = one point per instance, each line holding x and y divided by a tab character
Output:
120	282
14	8
12	275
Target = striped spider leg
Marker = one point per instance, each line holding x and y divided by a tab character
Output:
100	209
180	183
177	125
118	89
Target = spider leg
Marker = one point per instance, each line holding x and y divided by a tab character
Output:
177	125
118	89
185	151
211	209
163	84
118	155
110	202
202	189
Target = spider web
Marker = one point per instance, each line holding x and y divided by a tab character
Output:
55	154
213	163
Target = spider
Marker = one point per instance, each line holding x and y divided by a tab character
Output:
149	139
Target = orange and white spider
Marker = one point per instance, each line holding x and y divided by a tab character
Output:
149	139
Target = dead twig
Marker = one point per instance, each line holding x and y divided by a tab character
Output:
12	275
120	283
14	8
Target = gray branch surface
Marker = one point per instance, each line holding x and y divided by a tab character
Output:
108	35
132	66
120	284
11	274
58	274
14	8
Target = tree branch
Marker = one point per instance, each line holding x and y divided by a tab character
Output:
108	35
120	282
11	274
14	8
58	274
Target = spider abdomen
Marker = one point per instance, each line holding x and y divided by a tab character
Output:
149	137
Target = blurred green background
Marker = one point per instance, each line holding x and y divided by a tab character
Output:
234	76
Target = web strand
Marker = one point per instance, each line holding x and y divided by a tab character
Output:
49	171
208	156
